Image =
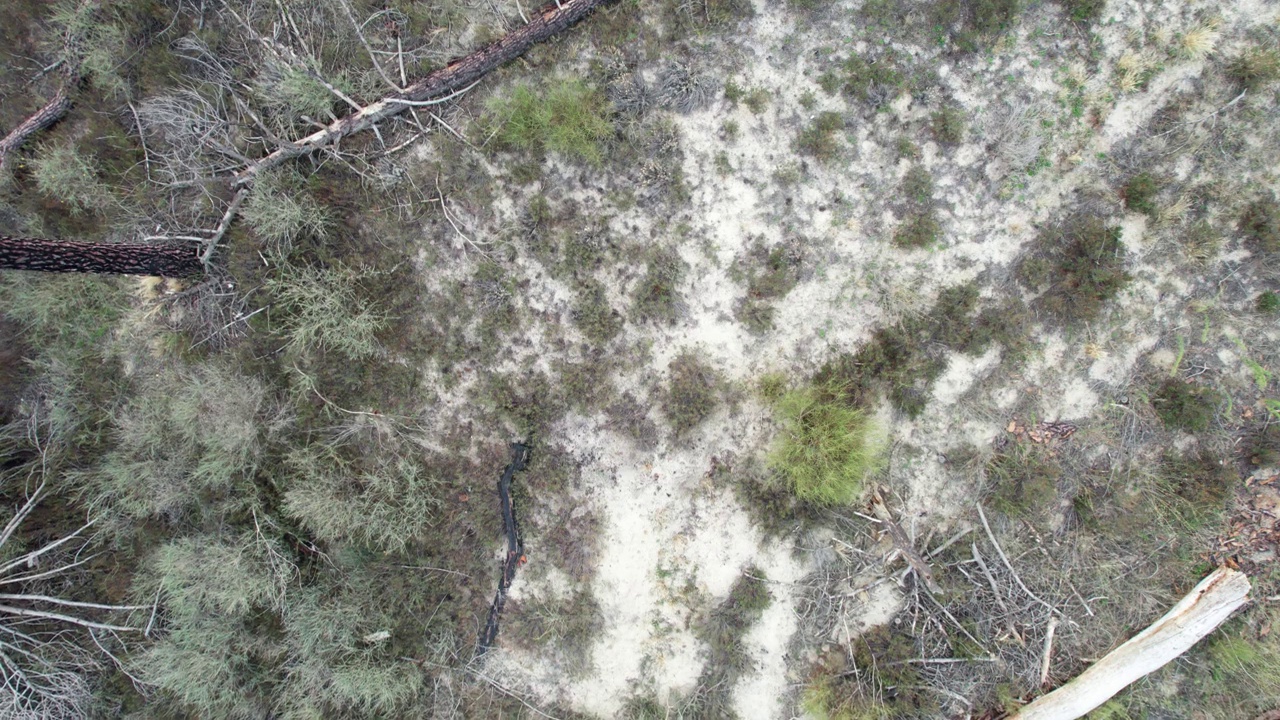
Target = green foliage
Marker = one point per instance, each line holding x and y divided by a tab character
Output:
566	117
657	296
1140	192
280	211
826	448
327	310
1084	11
1025	480
384	500
563	628
61	172
820	139
873	80
1260	224
92	41
948	125
906	148
188	442
837	692
920	229
1268	302
1079	265
972	23
1255	68
72	315
692	393
1183	406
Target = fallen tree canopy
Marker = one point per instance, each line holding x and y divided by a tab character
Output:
1196	615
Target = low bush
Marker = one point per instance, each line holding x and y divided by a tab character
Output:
566	117
593	314
819	139
826	448
920	229
280	210
63	173
1077	267
1084	11
327	309
692	393
1268	303
1140	192
1183	406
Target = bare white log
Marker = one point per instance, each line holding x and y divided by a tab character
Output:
1196	615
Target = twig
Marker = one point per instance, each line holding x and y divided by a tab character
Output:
1005	559
223	225
1048	651
995	590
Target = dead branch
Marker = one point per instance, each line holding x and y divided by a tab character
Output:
51	113
902	542
1196	615
1048	651
995	590
1005	559
547	22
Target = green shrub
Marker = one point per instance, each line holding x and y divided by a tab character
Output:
1260	224
1268	302
826	449
326	309
1255	68
1140	192
948	125
920	229
187	442
280	210
61	172
1184	406
1079	266
692	393
819	139
382	500
566	117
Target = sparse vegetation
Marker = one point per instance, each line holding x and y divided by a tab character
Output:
948	125
1139	193
1260	224
1255	68
657	296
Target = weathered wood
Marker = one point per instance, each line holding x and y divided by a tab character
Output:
903	543
40	254
1195	616
455	77
51	113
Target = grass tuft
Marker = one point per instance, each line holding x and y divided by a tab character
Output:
827	448
567	117
1183	406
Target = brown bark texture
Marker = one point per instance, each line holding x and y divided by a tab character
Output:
51	113
551	19
44	255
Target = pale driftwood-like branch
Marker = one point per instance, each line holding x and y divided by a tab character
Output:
545	23
1206	607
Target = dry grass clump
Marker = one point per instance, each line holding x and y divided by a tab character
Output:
1202	40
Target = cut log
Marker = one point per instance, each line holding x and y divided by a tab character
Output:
1195	616
51	113
40	254
455	77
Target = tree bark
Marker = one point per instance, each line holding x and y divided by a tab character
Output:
456	76
1206	607
51	113
27	253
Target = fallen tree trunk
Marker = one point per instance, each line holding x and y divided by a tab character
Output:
1195	616
51	113
455	77
40	254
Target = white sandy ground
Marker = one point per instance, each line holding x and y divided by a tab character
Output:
672	544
